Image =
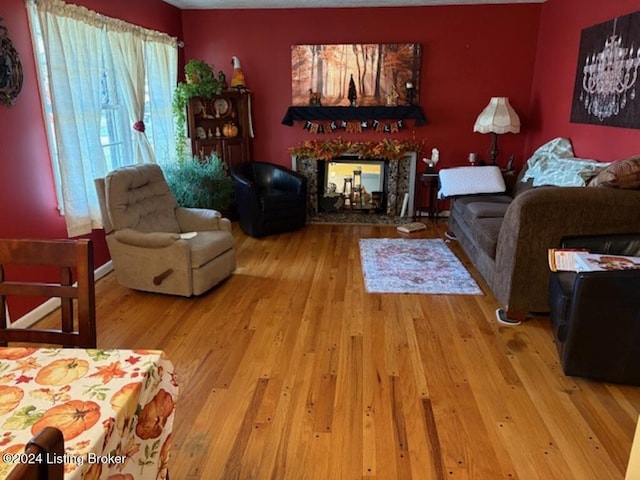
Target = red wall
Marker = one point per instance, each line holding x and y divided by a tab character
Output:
555	69
470	53
26	190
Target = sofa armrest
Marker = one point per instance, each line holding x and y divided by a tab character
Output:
537	220
135	238
199	219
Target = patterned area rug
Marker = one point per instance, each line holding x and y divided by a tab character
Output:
397	265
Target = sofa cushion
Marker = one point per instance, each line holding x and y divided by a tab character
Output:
486	232
487	209
623	174
469	199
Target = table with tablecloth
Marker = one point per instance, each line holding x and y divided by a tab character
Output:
115	409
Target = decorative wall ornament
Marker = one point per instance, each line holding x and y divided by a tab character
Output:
10	69
355	75
606	86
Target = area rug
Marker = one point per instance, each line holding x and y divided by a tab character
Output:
398	265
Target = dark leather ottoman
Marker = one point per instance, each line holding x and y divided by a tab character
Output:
596	315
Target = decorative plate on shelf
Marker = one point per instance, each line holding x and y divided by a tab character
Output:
221	107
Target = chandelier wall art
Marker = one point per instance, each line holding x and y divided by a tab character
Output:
606	90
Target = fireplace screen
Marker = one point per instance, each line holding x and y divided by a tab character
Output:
353	184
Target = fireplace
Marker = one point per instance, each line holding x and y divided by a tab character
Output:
350	184
395	181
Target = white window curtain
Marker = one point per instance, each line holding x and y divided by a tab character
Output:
128	49
71	37
162	71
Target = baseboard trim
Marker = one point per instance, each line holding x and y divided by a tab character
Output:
51	305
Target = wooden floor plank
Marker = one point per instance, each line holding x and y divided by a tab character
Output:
290	370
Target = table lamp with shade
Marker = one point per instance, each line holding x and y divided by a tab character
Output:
497	118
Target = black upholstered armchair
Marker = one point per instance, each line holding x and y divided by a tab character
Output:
270	198
596	315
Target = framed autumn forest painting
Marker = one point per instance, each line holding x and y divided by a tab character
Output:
378	71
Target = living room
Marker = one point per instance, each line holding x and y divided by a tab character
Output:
524	51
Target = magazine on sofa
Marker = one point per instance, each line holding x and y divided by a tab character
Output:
572	260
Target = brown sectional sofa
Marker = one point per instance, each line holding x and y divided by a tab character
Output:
507	235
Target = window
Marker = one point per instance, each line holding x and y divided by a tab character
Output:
115	135
97	108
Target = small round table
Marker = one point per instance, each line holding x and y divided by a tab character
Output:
426	180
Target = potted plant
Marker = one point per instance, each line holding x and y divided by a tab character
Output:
201	182
200	81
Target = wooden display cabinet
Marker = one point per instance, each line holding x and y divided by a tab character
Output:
211	125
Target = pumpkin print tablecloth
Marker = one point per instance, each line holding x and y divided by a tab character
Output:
115	409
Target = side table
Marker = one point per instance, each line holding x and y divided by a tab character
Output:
426	181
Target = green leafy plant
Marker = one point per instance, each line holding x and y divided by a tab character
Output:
201	182
200	81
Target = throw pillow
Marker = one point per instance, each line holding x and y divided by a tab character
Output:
620	174
470	180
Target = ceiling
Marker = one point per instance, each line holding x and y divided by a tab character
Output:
232	4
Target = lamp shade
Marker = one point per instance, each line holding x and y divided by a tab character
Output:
498	117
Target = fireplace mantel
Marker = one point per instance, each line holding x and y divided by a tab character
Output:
354	113
401	180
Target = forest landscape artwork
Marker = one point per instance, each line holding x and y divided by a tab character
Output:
379	73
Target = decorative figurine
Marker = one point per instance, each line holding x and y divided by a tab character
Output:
314	99
222	78
237	78
431	162
411	93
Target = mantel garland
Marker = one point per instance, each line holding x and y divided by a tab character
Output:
386	149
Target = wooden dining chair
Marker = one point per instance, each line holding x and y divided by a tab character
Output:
77	299
44	449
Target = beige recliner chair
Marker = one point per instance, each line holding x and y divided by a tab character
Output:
150	238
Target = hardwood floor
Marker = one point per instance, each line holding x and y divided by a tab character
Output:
290	370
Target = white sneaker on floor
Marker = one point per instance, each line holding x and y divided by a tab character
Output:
450	235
